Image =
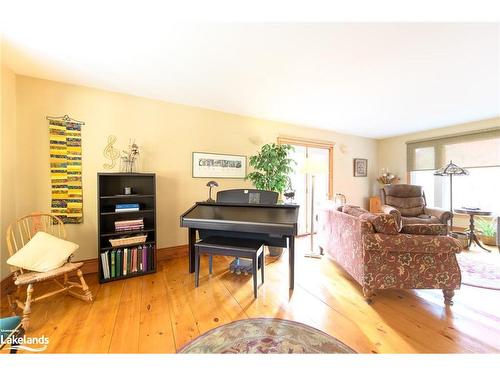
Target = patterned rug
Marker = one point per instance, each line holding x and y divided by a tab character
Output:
480	269
265	336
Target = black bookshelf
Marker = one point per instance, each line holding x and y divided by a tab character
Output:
110	190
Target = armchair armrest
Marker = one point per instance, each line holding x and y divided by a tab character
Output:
410	243
441	214
386	209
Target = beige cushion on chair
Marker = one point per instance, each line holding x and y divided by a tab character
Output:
43	253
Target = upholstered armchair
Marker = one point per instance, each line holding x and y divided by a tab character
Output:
407	203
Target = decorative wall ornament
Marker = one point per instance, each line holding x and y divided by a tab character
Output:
208	165
130	157
360	167
111	153
66	168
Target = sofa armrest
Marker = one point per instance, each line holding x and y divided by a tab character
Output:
428	229
410	243
441	214
386	209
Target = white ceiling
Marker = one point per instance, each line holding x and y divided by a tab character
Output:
375	80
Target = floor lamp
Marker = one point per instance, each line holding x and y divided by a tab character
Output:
451	170
314	167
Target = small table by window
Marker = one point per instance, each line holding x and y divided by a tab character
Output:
472	213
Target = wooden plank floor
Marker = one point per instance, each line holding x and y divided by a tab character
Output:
159	313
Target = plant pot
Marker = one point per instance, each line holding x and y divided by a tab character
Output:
489	240
275	251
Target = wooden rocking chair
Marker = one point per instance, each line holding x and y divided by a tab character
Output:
18	234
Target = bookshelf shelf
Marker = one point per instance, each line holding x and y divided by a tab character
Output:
128	212
123	246
123	233
140	258
127	196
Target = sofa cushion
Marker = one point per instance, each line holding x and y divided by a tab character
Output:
382	223
43	253
427	229
353	210
420	220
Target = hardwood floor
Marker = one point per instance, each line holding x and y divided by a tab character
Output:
161	312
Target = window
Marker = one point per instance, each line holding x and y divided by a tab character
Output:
477	152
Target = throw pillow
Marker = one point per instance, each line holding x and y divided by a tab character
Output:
43	253
383	223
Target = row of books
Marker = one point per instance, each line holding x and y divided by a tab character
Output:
126	261
126	225
127	207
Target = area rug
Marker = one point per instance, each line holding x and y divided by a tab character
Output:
480	269
265	336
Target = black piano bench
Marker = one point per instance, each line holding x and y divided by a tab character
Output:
234	247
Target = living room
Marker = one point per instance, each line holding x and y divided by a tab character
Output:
248	187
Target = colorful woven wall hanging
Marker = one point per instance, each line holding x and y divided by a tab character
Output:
66	168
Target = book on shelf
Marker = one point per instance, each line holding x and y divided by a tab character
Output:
129	225
127	207
113	262
119	263
127	261
105	264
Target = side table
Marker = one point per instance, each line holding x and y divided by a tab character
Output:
472	213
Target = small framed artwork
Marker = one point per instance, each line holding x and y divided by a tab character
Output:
360	167
208	165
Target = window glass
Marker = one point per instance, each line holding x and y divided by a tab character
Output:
477	190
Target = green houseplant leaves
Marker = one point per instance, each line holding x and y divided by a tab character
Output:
271	167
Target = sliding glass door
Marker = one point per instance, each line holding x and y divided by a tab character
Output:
304	153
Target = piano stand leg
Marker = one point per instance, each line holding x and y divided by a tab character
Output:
191	242
197	268
210	260
291	260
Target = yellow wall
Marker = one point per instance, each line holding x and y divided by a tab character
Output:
7	160
168	134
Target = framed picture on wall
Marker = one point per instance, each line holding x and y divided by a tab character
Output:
360	167
208	165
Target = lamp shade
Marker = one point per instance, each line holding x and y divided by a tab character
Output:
451	169
315	166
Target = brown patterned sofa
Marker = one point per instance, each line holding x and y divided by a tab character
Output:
379	254
408	201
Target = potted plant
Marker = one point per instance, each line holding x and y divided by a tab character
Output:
271	169
488	231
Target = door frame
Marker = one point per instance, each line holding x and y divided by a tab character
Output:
316	144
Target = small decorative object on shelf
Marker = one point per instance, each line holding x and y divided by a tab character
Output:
127	225
340	198
130	158
387	178
211	184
